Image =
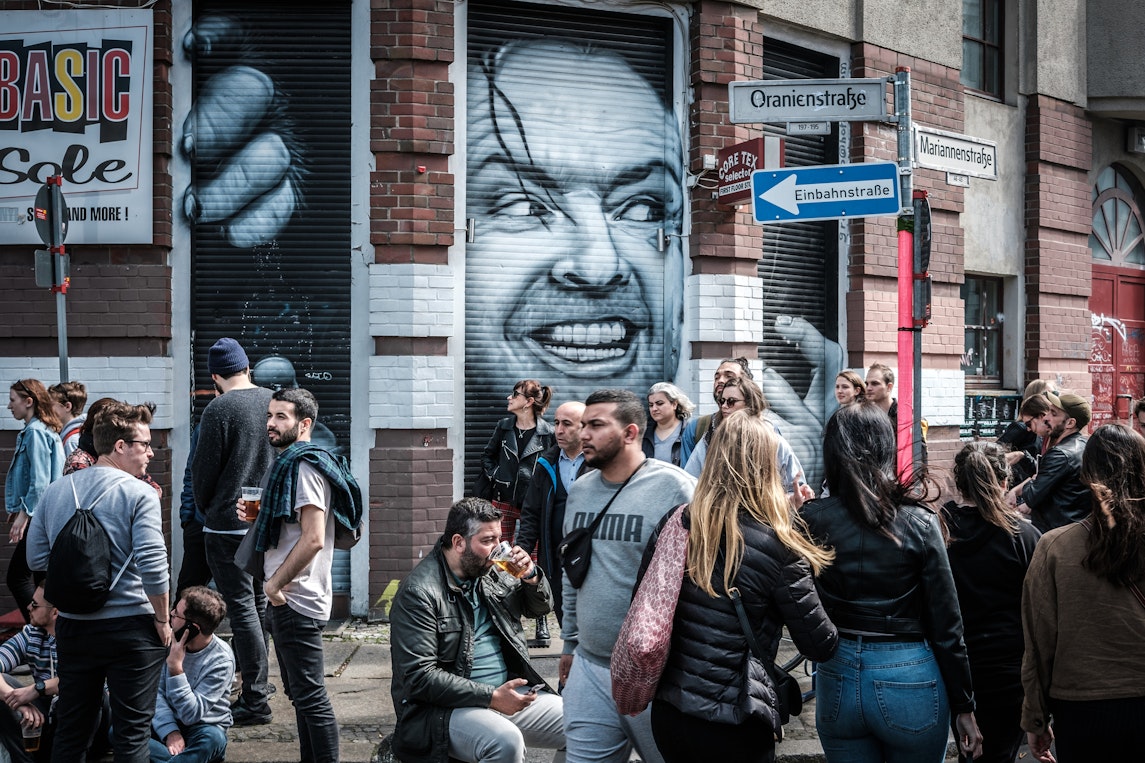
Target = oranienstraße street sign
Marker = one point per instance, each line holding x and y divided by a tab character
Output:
808	100
826	192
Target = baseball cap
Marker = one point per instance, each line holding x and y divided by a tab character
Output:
1075	406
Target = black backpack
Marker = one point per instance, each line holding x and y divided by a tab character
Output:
79	578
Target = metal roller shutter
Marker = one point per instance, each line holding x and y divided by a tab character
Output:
284	295
565	282
799	263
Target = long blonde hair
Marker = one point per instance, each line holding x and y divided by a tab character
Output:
740	474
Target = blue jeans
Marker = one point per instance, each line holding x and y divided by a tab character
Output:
126	653
246	610
881	701
298	644
205	744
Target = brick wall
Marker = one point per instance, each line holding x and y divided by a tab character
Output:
412	222
872	302
119	304
1058	222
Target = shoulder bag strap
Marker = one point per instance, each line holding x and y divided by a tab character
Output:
607	506
1137	593
753	644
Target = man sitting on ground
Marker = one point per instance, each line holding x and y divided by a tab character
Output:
463	686
192	711
34	646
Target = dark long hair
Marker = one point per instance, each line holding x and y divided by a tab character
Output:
859	461
1114	468
981	474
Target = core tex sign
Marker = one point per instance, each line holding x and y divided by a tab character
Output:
736	163
76	101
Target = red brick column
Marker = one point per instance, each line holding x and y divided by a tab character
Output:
412	114
726	45
1058	222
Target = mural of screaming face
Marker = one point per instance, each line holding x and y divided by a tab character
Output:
572	175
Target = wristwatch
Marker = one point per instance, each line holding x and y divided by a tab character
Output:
533	574
41	689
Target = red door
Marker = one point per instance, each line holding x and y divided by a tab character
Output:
1117	352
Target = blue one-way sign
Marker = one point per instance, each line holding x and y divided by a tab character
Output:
825	192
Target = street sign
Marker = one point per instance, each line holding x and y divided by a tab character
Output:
808	100
827	192
955	154
51	212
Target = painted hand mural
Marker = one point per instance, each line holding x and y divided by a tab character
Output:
247	159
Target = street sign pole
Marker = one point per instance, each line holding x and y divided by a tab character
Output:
909	399
52	225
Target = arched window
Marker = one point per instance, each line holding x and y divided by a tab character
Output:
1117	229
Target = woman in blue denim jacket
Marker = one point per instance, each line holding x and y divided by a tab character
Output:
37	462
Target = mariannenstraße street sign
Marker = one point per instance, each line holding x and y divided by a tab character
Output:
951	152
808	100
828	192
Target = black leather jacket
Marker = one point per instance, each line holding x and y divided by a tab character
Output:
505	473
711	672
902	586
431	636
1056	495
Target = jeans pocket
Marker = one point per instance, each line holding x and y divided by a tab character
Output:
828	695
908	707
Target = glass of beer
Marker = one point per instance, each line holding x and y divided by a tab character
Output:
31	737
502	556
252	500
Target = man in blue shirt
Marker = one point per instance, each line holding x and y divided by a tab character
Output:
543	511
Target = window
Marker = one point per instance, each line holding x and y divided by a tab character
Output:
1117	230
982	45
982	352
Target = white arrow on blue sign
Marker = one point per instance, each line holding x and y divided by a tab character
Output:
827	192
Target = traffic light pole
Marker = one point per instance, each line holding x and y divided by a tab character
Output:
908	383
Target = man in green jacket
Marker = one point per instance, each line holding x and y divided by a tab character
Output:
463	686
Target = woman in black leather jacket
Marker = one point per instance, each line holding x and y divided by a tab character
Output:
510	458
715	700
901	666
990	549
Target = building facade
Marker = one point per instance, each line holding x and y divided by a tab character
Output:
409	206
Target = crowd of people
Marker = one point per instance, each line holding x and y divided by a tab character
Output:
997	605
117	662
998	608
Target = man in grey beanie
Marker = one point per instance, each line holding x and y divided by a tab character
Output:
232	451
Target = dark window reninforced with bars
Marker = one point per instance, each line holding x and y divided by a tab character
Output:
982	351
982	63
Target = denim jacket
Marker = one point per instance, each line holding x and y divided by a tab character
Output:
37	462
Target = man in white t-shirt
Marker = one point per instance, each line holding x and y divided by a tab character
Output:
299	551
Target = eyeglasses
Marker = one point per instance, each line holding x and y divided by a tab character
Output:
33	606
145	443
729	402
19	386
515	393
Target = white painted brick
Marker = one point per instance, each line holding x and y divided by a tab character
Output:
412	392
137	380
411	300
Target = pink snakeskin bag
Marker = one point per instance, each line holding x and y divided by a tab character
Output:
645	638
